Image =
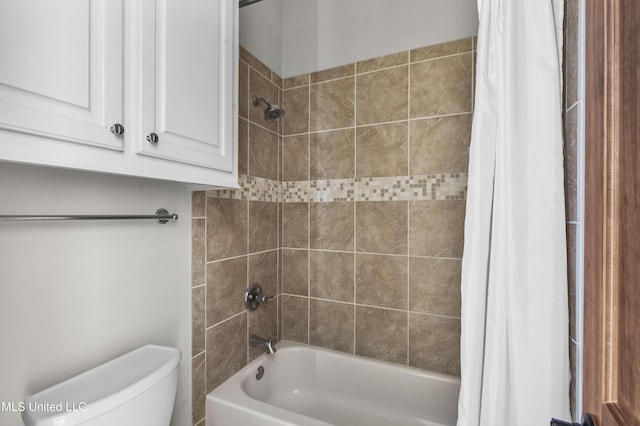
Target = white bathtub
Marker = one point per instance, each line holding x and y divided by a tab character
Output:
311	386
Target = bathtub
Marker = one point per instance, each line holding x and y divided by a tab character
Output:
311	386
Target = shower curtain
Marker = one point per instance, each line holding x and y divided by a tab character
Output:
514	343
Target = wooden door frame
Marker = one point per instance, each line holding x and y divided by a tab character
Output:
609	65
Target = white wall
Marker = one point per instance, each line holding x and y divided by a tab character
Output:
295	37
75	294
321	34
261	31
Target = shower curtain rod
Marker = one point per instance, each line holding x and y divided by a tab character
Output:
244	3
161	216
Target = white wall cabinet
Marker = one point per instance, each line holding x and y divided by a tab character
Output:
166	70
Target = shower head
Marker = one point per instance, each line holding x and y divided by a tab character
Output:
272	112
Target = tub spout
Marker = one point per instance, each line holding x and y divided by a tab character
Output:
265	343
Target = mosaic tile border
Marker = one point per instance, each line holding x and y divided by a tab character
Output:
436	187
252	189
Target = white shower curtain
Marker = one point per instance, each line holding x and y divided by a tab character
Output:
514	343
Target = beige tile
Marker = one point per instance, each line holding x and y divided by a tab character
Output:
243	146
263	269
571	164
332	104
296	106
381	227
295	158
295	314
261	87
280	158
295	225
263	153
263	323
331	275
434	343
381	334
198	238
332	225
441	86
571	52
263	226
296	81
279	282
227	228
382	96
198	392
243	90
295	270
443	49
331	325
226	286
279	316
382	150
436	228
571	278
333	73
440	145
255	63
276	79
198	201
332	155
381	281
382	62
434	286
197	320
573	349
226	350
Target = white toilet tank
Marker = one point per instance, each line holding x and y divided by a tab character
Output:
135	389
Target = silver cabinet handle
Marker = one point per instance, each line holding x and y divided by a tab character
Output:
117	129
152	137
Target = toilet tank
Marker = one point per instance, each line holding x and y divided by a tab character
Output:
135	389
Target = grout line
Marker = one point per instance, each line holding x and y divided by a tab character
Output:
364	305
356	73
575	104
372	253
309	217
246	283
444	57
226	320
358	126
408	298
204	379
355	207
260	125
251	67
240	256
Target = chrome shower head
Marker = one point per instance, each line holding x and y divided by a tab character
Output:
272	112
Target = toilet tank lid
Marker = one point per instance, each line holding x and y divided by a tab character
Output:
102	388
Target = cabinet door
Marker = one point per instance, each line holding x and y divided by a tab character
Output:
61	72
187	81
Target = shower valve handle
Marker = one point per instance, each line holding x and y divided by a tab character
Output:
254	297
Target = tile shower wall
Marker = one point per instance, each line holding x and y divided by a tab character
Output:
351	209
572	103
374	163
235	243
